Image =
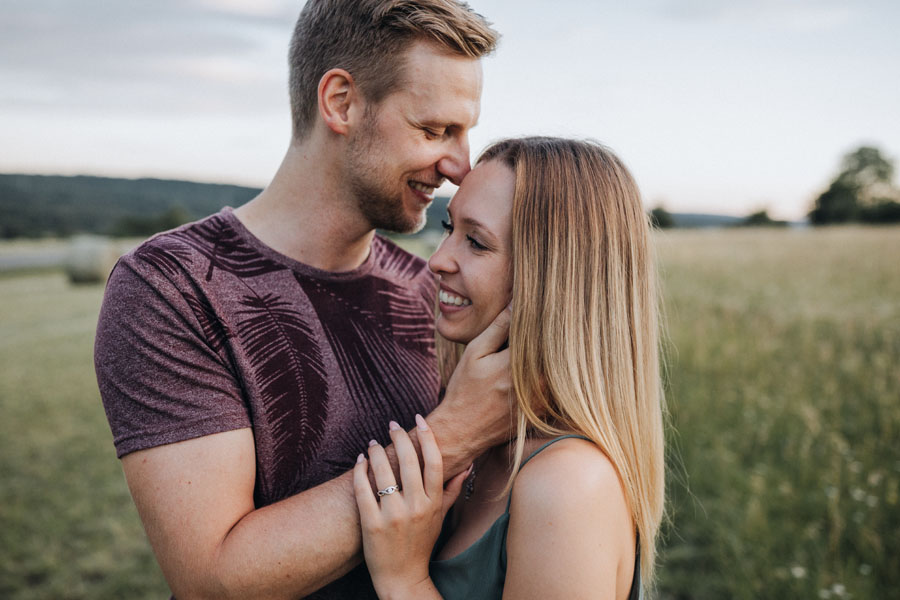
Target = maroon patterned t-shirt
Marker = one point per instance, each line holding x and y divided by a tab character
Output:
206	329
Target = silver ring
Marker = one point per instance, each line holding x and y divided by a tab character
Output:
389	490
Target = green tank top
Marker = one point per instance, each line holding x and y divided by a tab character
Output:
479	571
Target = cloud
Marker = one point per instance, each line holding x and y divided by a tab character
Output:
144	56
265	9
797	15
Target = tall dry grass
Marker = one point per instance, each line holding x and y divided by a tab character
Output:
784	390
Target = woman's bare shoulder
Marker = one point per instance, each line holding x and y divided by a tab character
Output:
567	468
570	531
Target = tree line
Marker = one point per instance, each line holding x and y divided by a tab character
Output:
59	206
863	191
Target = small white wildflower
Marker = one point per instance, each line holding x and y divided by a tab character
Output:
865	569
872	501
838	589
798	572
858	494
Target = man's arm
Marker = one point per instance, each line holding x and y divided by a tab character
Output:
195	497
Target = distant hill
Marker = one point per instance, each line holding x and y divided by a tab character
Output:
55	205
697	220
43	205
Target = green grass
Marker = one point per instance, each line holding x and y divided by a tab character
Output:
784	393
68	528
785	400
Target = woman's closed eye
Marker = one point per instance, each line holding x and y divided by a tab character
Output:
472	241
475	244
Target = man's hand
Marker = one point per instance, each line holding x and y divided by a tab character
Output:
476	412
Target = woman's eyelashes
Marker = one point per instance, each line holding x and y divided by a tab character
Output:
475	244
472	241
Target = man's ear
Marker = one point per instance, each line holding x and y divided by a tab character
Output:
340	103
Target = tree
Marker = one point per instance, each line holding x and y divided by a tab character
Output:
862	191
661	218
137	226
761	219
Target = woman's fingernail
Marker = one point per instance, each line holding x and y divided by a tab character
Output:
360	458
372	443
420	422
394	425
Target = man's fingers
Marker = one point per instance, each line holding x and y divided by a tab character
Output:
493	337
410	472
365	499
433	464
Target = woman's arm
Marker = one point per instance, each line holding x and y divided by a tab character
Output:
399	529
571	534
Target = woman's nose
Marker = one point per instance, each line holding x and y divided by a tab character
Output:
442	260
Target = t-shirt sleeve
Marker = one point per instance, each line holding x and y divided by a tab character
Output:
161	379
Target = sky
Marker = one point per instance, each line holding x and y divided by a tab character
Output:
718	107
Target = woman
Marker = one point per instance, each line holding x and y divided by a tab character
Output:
556	226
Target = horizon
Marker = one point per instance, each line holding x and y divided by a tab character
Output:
716	109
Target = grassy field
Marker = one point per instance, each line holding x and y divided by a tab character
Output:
784	391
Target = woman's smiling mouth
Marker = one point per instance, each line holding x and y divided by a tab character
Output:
453	299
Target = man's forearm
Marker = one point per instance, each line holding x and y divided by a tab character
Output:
294	547
195	499
298	545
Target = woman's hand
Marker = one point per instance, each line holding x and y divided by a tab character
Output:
399	529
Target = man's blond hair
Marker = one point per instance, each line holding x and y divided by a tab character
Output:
368	39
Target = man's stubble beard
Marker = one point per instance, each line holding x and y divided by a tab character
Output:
375	197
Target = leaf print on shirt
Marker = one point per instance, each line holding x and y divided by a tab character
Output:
287	365
214	330
225	249
165	253
387	376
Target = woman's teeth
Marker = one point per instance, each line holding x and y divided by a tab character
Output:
455	300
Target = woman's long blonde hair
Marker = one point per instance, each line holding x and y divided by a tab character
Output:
584	337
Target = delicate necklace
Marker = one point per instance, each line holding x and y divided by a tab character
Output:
470	483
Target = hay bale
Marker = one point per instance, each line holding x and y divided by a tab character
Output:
91	258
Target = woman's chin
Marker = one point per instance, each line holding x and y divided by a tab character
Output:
453	334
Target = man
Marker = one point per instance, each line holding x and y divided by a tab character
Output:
246	360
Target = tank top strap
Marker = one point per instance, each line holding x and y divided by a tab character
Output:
538	451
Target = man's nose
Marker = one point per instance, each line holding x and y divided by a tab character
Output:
455	165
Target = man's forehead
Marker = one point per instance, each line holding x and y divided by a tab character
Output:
449	93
